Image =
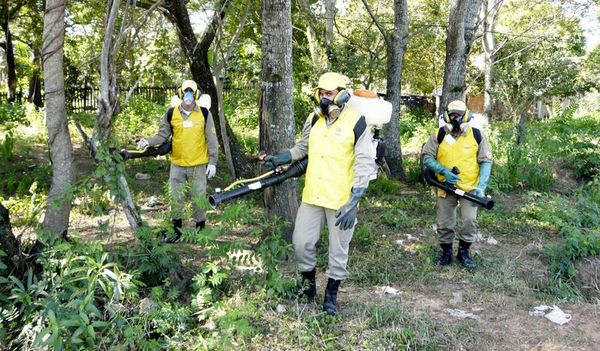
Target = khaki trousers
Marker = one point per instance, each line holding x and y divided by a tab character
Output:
182	178
310	220
446	219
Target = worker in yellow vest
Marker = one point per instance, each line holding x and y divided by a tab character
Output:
194	152
337	143
461	156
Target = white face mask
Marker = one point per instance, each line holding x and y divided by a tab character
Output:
188	97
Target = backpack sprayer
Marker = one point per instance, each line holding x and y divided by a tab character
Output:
147	152
277	176
367	103
431	179
377	112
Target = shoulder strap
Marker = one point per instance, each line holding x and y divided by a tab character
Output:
170	118
441	134
170	115
314	120
477	135
359	128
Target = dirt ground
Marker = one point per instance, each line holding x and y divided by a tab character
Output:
489	317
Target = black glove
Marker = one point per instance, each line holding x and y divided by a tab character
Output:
282	158
346	215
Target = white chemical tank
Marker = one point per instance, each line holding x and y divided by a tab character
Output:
376	110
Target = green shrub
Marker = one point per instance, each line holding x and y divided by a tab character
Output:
577	219
139	118
12	113
7	146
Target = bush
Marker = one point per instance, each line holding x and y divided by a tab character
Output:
12	113
139	118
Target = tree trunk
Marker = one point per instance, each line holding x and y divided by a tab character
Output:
318	54
8	243
11	71
35	89
197	54
108	107
490	18
222	121
521	127
395	57
276	102
330	11
58	203
460	34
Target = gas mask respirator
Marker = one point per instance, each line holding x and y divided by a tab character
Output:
188	97
455	122
326	108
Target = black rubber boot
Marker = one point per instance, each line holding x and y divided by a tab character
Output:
330	303
463	255
200	225
446	258
177	224
309	284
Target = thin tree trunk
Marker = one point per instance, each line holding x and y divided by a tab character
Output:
462	24
521	127
330	11
58	202
8	243
11	71
108	104
277	129
223	125
395	46
395	59
197	54
218	69
318	53
35	89
490	18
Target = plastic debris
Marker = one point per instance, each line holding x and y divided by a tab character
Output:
461	314
457	298
558	316
280	309
153	201
554	314
388	290
142	176
491	241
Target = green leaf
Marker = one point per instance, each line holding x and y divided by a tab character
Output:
39	338
110	274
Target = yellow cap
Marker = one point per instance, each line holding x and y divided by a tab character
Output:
457	106
331	81
189	84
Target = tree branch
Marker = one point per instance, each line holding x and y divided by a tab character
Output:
385	35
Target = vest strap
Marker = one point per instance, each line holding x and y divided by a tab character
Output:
170	115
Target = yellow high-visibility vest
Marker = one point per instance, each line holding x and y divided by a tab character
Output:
189	140
462	154
330	171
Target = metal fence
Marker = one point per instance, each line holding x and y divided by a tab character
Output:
19	97
84	99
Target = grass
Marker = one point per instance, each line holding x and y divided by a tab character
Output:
226	308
